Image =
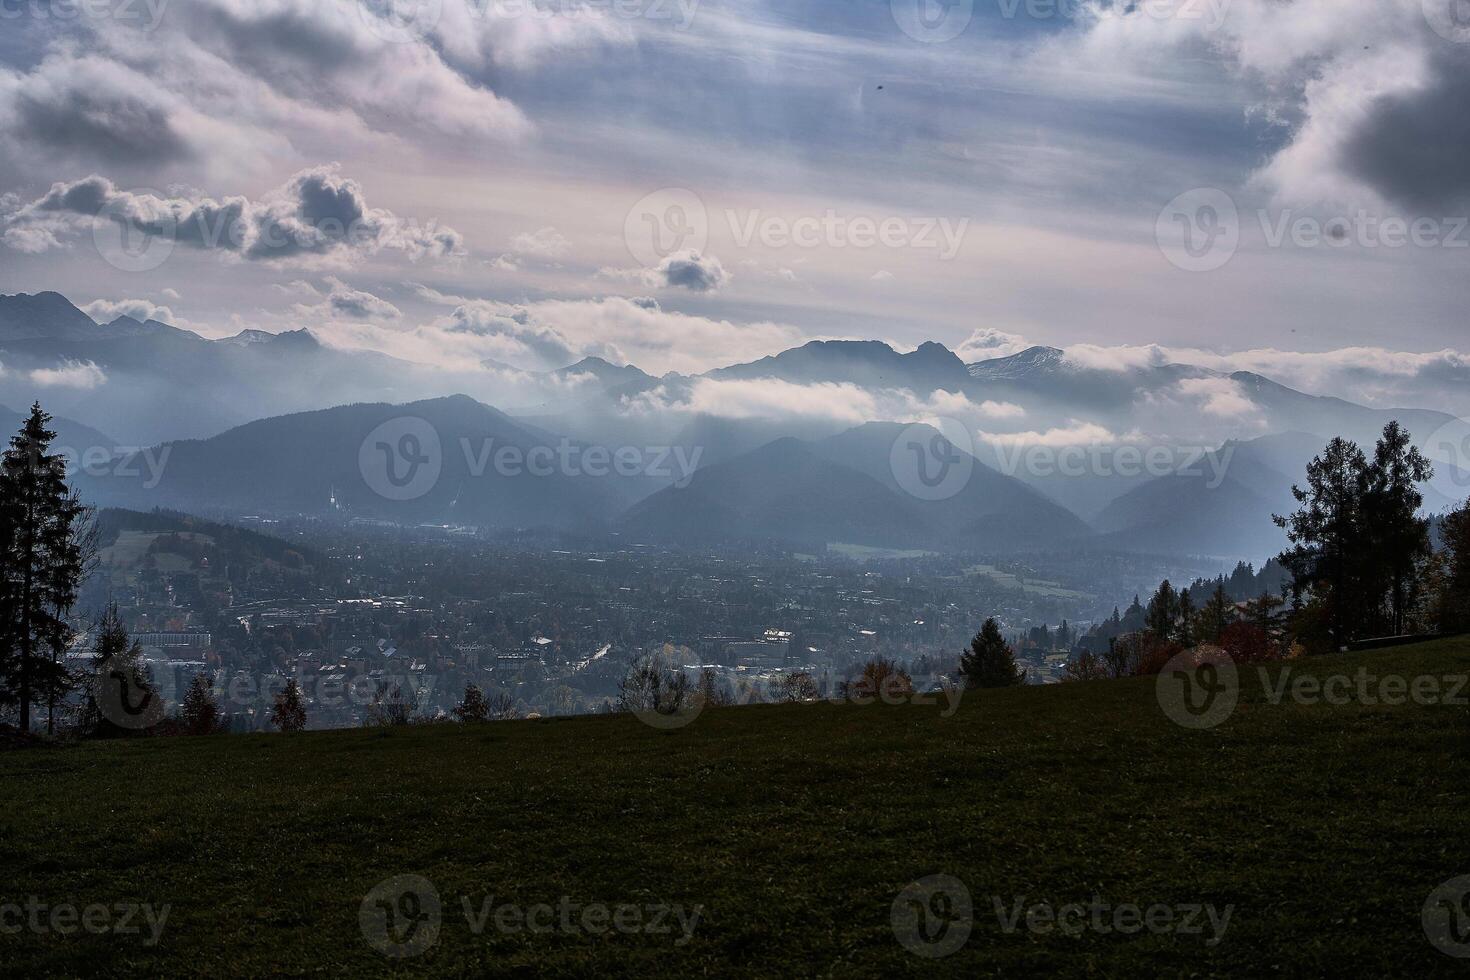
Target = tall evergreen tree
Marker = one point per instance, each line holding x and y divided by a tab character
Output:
990	662
120	679
1398	539
1218	613
289	712
1184	631
45	550
1326	534
1163	612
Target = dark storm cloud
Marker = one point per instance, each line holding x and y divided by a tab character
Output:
111	125
1414	147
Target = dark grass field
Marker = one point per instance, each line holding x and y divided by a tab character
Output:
795	828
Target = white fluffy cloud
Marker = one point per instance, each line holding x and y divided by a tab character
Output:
219	81
105	311
555	333
84	375
848	404
986	343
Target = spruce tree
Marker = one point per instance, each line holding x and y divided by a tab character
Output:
1398	538
1327	536
45	550
121	698
200	714
1217	614
990	662
1163	612
289	712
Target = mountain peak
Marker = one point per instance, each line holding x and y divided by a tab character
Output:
1031	362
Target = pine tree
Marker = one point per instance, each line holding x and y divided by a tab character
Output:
990	662
474	707
201	715
1217	614
1327	536
1163	611
45	550
1184	632
121	698
289	712
1398	538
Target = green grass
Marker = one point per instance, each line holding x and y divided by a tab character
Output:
795	827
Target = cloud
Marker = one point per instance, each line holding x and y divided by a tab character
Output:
690	270
1367	95
318	214
105	311
1223	398
548	243
987	343
216	82
684	270
84	375
1074	433
554	333
1375	376
342	301
844	403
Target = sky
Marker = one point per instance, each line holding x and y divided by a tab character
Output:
1277	185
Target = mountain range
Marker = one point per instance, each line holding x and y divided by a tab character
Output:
275	422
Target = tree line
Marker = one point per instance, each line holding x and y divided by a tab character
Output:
1361	564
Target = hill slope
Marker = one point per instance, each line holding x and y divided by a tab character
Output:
1325	828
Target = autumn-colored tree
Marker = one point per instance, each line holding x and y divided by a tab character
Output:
1086	666
1154	654
1248	643
882	678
